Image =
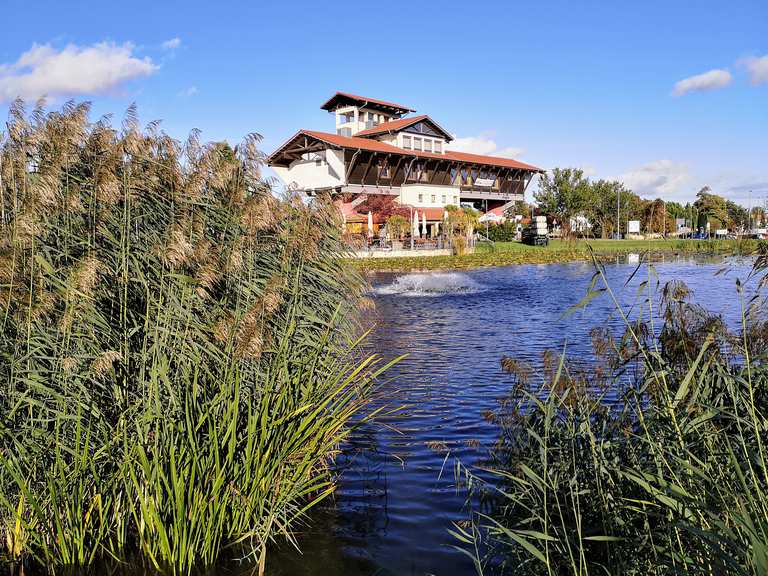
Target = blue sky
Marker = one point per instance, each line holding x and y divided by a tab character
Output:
668	96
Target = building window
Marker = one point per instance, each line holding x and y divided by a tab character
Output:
455	200
438	147
443	198
407	142
421	198
417	143
344	131
433	199
427	145
346	117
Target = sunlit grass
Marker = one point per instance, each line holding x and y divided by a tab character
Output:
511	253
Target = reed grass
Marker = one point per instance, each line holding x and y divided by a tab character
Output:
178	362
669	477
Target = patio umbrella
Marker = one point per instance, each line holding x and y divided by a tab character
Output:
370	223
424	223
415	223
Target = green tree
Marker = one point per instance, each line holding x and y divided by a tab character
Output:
600	205
397	226
563	195
461	220
711	209
655	218
738	216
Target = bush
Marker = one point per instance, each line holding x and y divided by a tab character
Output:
175	372
459	244
505	232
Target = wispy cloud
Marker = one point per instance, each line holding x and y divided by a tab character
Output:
188	92
711	80
660	178
72	71
171	44
483	144
757	68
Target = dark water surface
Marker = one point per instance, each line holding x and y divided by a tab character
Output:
397	498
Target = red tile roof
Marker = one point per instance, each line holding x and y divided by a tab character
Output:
355	143
363	99
400	124
492	160
433	214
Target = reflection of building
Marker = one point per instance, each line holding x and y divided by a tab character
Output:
378	149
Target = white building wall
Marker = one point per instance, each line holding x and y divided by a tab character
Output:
360	118
308	174
409	194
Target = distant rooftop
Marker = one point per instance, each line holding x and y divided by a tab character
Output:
344	98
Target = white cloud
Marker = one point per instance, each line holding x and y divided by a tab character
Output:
711	80
482	144
188	92
72	71
171	44
758	69
660	178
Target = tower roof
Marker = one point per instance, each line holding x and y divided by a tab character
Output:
344	98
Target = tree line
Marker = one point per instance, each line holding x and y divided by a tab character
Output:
566	194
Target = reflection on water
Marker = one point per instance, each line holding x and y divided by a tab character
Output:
397	497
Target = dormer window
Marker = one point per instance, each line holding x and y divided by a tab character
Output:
438	147
407	142
417	144
427	145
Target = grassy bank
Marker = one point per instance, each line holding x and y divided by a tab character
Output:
176	366
509	253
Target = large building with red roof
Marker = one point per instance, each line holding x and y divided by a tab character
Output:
379	149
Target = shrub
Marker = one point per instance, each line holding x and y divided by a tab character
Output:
505	232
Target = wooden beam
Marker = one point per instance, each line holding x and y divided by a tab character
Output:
434	172
368	167
303	149
394	174
378	169
408	171
446	173
351	166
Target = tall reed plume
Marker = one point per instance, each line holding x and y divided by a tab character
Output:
178	362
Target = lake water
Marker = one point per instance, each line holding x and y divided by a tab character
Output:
397	497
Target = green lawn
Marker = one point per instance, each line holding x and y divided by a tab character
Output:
509	253
616	246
